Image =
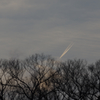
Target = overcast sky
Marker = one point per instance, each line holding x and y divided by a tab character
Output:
49	26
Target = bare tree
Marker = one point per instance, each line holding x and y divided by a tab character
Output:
5	78
41	77
94	70
33	78
75	80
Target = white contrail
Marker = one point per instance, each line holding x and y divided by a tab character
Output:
66	50
68	47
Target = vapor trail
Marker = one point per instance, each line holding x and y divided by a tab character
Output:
66	50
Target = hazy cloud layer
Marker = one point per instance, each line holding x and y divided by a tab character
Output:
49	26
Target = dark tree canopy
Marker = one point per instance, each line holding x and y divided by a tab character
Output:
41	77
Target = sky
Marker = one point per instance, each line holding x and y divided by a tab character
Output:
49	26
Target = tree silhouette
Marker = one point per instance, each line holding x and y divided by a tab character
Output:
41	77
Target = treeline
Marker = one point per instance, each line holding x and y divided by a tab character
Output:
41	77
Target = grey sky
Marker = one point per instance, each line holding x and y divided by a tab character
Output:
49	26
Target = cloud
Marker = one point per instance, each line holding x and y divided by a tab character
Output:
32	26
